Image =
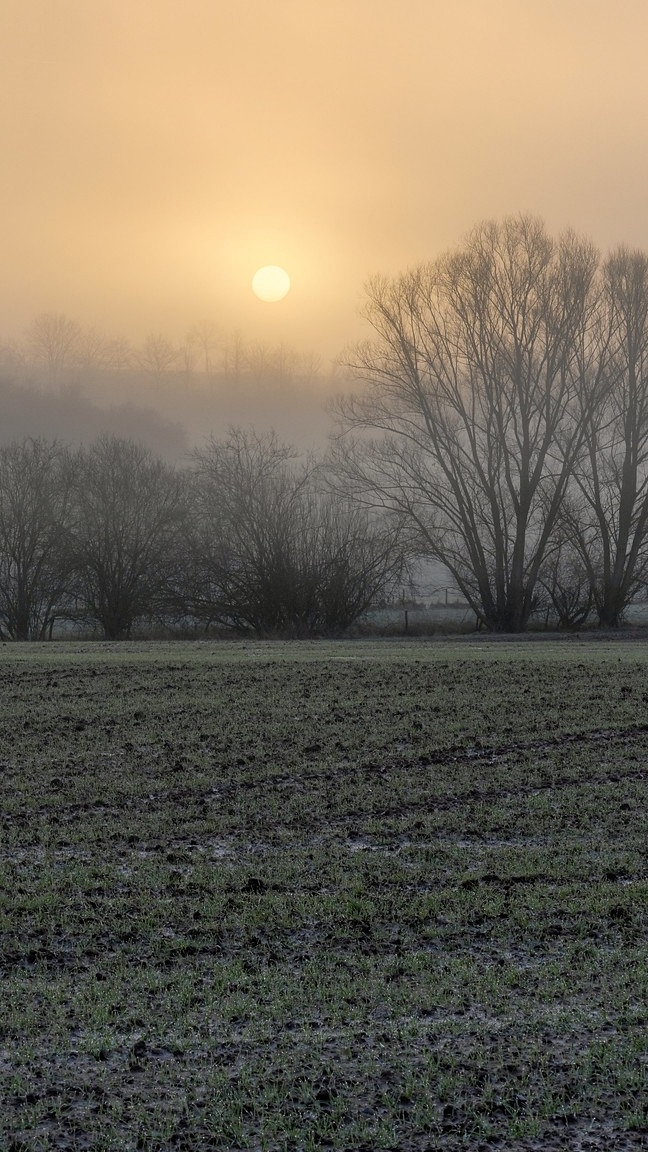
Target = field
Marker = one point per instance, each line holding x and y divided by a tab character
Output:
358	895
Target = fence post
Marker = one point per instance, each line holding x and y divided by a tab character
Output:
406	622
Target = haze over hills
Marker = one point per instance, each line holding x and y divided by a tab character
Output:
66	414
169	419
71	384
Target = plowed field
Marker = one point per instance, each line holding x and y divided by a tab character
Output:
363	895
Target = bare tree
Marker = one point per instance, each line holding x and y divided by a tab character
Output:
55	342
128	508
310	366
356	559
158	355
204	339
285	362
246	500
259	361
271	552
95	350
234	356
119	353
611	527
35	491
471	419
264	362
565	582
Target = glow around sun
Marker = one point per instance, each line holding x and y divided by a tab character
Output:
271	283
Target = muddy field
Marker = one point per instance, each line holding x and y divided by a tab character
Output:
363	895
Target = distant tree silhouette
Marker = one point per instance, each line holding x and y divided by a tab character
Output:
55	341
158	355
204	339
36	480
269	551
127	510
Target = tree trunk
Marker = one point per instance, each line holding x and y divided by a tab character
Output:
611	609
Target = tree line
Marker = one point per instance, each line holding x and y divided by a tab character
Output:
248	536
504	421
58	349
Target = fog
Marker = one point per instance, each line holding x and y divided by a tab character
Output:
63	381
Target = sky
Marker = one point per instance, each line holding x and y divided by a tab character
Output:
156	153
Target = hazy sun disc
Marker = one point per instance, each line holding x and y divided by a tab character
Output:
271	283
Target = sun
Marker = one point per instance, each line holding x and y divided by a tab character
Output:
271	283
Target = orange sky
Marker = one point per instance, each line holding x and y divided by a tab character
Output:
154	153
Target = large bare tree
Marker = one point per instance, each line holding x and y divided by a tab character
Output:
608	524
471	416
